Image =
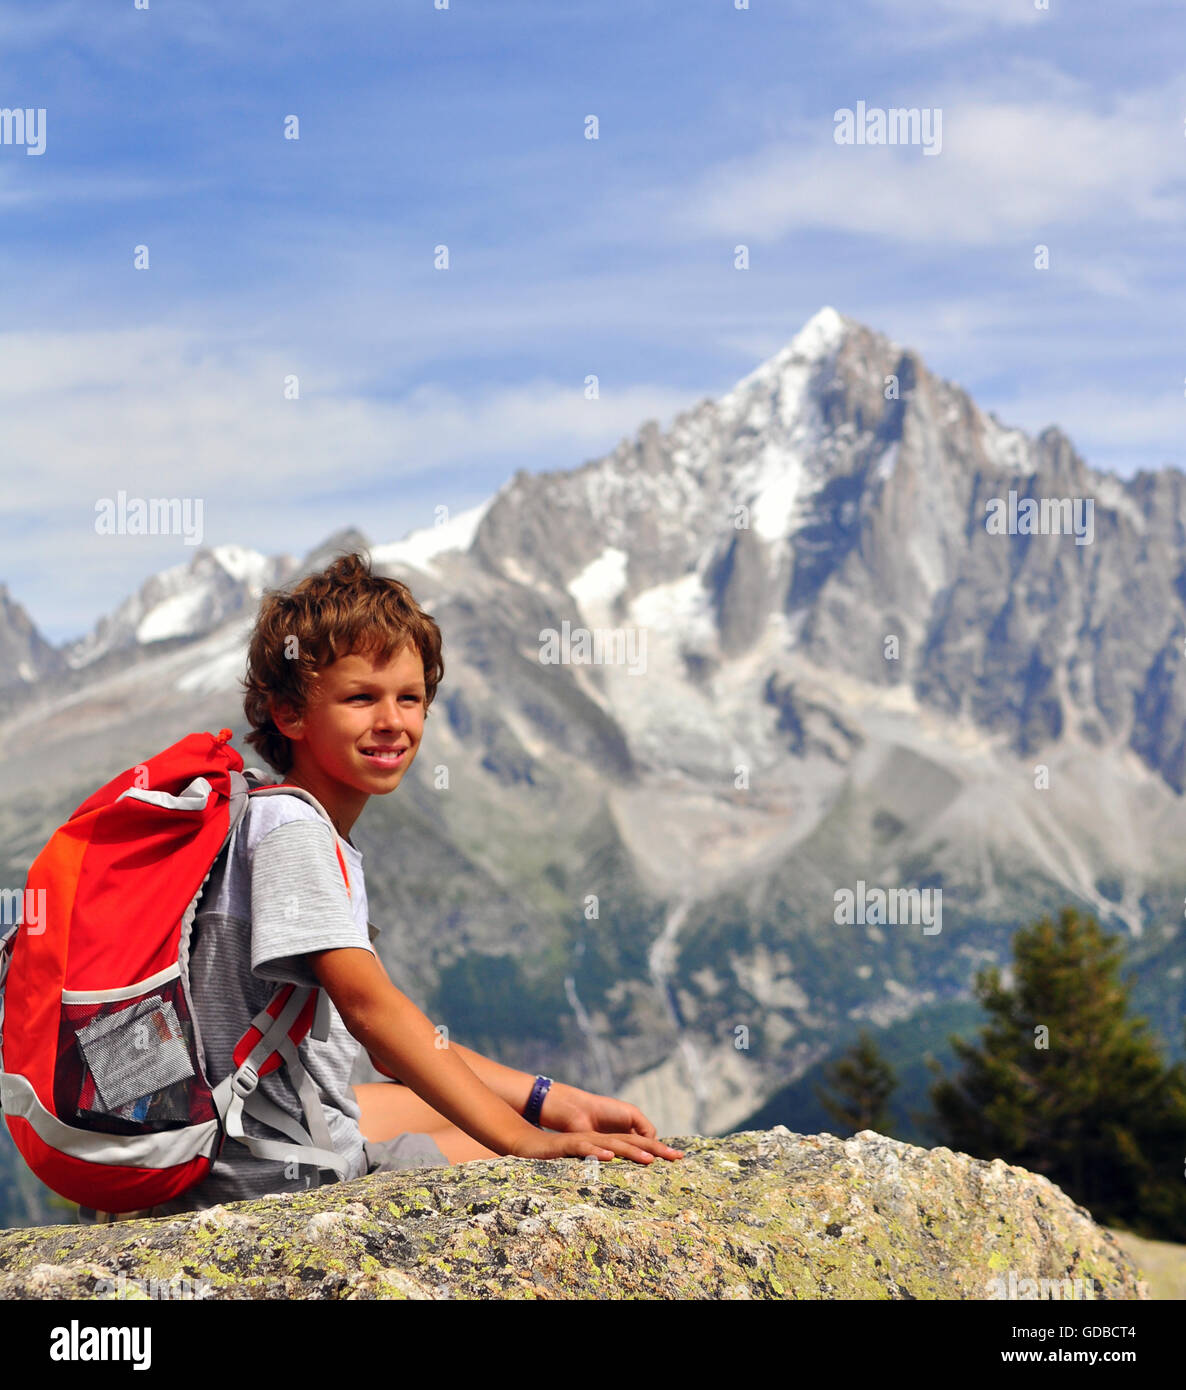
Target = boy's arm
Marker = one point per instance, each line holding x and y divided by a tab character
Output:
513	1086
395	1032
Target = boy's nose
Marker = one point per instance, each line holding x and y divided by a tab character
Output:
387	715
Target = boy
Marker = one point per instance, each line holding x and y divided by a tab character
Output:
340	674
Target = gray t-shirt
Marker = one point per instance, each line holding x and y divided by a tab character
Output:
276	894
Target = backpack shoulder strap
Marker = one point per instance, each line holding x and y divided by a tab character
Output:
257	788
237	1092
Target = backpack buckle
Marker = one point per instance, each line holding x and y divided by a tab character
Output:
245	1080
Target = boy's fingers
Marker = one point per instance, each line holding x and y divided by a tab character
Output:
630	1147
618	1145
629	1151
654	1145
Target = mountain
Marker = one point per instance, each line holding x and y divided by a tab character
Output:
794	660
186	601
25	656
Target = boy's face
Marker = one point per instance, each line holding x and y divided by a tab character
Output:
359	717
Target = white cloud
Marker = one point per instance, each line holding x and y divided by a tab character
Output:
940	22
161	408
1008	170
162	413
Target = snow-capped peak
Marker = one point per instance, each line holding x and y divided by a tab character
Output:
790	370
420	546
184	601
820	335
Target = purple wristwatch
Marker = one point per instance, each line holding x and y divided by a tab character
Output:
536	1100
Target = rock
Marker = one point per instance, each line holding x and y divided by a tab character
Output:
765	1214
1161	1263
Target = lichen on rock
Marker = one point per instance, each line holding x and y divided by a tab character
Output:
764	1214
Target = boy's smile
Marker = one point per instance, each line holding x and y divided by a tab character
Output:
360	731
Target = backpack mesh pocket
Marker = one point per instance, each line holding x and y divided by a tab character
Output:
130	1065
132	1053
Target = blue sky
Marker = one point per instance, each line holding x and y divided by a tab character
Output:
465	126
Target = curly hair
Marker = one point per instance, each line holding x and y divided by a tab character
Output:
344	610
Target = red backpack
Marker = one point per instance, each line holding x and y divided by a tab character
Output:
102	1075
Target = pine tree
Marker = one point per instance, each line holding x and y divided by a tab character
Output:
864	1083
1065	1083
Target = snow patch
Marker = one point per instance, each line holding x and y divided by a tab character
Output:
247	566
776	490
601	581
887	463
518	574
218	663
677	609
1110	492
1007	449
418	548
174	617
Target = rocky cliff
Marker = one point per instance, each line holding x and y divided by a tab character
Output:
761	1214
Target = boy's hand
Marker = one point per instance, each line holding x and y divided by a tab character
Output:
570	1110
541	1144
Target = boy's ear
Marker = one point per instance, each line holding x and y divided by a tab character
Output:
286	720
